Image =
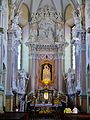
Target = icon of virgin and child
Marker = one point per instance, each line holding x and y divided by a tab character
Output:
46	73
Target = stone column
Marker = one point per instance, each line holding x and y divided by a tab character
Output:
36	72
30	68
9	61
60	74
33	71
83	58
83	63
56	71
87	23
9	94
79	35
1	57
15	67
2	83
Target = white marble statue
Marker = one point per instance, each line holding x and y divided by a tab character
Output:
76	20
46	28
70	82
33	34
17	31
50	33
77	23
60	34
22	81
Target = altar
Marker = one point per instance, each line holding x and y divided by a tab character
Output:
45	101
46	52
44	108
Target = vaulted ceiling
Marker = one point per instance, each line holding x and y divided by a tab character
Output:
59	5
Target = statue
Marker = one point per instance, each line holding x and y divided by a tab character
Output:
70	81
50	33
17	30
33	33
60	31
22	80
46	28
76	19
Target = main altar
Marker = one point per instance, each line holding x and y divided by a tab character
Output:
46	52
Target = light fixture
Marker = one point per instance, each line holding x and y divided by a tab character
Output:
46	95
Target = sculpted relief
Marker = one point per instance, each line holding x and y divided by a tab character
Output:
46	29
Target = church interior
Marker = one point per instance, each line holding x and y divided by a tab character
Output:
44	54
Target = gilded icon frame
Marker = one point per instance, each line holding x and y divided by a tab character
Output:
51	66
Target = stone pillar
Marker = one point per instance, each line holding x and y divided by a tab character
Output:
33	71
83	63
1	57
83	97
60	74
30	68
9	95
36	71
15	68
56	72
83	57
1	72
77	61
9	61
87	23
79	35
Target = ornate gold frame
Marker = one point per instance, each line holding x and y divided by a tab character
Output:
40	70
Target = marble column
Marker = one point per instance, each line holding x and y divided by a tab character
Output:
9	95
1	72
87	23
1	57
56	72
83	63
30	69
80	35
15	67
60	74
83	97
77	65
9	61
82	38
87	16
33	71
36	72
